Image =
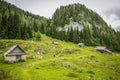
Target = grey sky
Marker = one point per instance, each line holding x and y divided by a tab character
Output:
108	9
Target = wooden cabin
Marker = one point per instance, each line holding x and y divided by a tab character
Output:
81	44
55	42
15	54
103	50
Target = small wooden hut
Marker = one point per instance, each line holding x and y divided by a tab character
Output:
15	54
55	42
102	49
81	44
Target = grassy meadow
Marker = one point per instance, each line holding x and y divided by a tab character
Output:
65	61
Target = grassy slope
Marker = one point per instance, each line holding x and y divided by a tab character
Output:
75	64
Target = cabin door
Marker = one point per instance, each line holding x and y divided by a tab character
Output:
18	57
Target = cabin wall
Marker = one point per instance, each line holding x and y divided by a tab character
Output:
23	57
10	58
13	58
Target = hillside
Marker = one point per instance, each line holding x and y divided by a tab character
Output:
66	61
16	23
70	63
77	23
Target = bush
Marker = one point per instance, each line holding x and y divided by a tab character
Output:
72	75
90	72
112	78
1	58
80	71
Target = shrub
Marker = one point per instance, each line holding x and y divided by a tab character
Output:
37	68
71	74
80	71
1	58
112	78
90	72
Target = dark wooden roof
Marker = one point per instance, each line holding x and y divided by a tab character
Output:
10	51
102	48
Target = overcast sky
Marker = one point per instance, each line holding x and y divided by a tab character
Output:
108	9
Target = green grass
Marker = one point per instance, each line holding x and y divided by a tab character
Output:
74	64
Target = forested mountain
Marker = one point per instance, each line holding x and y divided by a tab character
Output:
92	29
74	23
19	24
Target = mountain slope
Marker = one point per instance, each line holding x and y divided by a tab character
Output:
70	63
76	23
65	61
77	13
16	23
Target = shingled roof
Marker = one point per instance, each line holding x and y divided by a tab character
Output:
11	51
100	48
